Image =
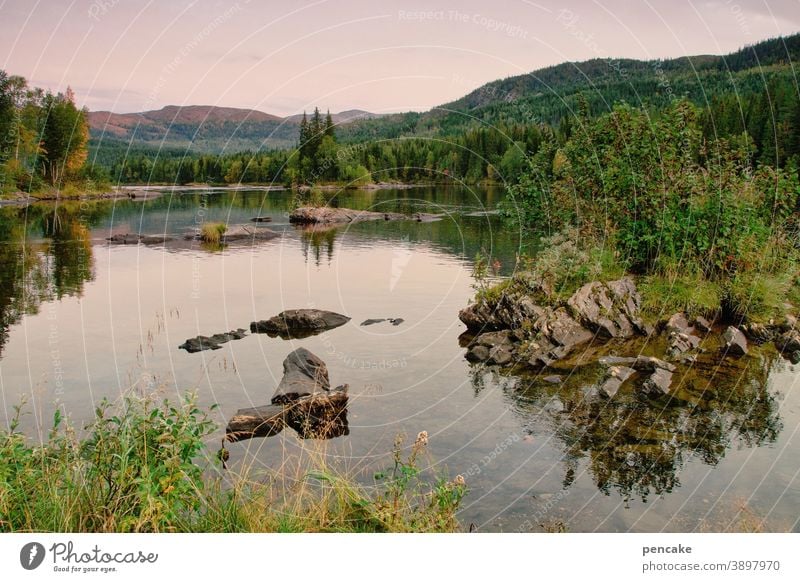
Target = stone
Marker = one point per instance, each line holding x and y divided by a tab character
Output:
678	323
759	333
610	309
134	239
261	219
553	379
372	321
299	323
615	377
681	342
702	324
477	354
657	384
304	374
735	341
500	355
201	342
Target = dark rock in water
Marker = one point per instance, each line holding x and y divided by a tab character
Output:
236	233
302	401
304	374
392	320
616	376
477	354
553	379
638	363
134	239
702	324
328	215
201	342
262	421
658	384
299	323
426	217
493	338
500	355
261	219
788	343
320	416
735	341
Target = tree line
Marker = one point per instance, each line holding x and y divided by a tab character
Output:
43	137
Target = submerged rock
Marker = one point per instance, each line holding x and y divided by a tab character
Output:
393	320
144	239
657	384
735	341
299	323
614	379
329	215
214	342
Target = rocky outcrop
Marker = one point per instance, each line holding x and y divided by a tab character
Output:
214	342
735	341
610	309
303	401
299	323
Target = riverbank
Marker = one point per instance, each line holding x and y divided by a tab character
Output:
145	465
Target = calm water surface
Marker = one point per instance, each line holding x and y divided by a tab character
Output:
81	320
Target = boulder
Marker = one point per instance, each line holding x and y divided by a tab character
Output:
477	354
610	309
657	384
735	341
681	342
500	355
678	323
299	323
614	379
304	374
508	312
562	330
303	401
134	239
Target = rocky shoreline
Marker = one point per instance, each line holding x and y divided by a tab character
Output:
602	323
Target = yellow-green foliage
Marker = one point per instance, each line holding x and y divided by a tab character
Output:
144	466
211	232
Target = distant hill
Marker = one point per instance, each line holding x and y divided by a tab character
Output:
205	128
548	95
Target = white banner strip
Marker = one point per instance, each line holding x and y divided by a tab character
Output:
366	557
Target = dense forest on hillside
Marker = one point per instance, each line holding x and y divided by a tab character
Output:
489	134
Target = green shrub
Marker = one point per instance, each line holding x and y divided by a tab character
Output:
212	232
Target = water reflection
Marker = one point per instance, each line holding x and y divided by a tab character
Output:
45	254
637	447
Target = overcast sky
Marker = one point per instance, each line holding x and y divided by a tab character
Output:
284	57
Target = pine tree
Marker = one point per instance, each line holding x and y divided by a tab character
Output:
329	129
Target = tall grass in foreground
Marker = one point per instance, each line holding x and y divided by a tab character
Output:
143	466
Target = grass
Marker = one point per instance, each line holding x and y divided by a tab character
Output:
144	466
212	232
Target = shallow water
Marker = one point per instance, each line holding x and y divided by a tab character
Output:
81	319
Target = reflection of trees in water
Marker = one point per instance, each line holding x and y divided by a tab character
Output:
637	446
35	272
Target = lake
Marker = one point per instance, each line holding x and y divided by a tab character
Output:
81	319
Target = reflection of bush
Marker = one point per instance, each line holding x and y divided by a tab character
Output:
637	447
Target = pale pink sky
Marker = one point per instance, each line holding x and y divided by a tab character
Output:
284	57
